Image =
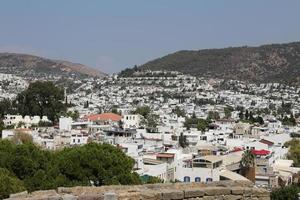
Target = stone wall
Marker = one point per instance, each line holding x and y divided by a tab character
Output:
223	190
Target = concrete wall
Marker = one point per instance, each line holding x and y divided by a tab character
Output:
225	190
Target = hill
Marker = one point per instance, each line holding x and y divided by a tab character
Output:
267	63
34	66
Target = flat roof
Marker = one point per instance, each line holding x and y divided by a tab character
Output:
211	158
233	176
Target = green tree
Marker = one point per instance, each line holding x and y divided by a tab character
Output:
248	159
248	165
183	141
6	107
294	151
143	110
213	115
259	120
152	122
91	164
73	114
200	124
227	111
9	184
41	98
285	193
179	112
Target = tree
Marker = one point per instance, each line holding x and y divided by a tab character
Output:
151	179
9	184
248	165
42	99
6	107
86	104
213	115
114	110
183	141
89	165
74	115
248	159
227	111
289	121
247	115
143	110
179	112
21	138
152	122
241	115
260	120
285	193
294	151
200	124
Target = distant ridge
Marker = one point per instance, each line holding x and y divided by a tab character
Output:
30	65
266	63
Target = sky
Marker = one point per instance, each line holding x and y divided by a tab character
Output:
111	35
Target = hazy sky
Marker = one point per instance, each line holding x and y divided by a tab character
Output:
111	35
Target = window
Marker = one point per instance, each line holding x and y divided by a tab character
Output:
73	140
265	170
208	180
197	179
186	179
78	140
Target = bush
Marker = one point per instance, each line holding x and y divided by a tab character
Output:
9	184
285	193
89	165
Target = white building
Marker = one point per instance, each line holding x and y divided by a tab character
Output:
131	121
10	120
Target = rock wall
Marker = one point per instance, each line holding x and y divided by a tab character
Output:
223	190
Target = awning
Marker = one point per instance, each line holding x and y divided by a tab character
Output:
260	152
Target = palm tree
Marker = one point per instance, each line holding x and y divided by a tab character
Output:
248	159
248	165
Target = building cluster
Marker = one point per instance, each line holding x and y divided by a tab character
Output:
161	141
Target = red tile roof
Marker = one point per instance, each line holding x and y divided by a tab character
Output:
103	117
267	142
165	155
260	152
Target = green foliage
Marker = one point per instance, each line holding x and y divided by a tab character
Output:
249	118
248	159
182	141
128	72
285	193
179	112
294	151
200	124
21	138
152	122
73	114
9	184
91	164
41	98
227	111
289	121
44	124
231	63
285	108
6	107
143	110
213	115
151	179
201	102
